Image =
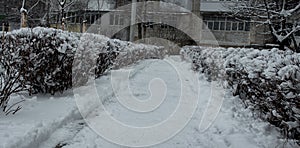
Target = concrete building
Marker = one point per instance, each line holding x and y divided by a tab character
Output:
164	22
107	17
174	23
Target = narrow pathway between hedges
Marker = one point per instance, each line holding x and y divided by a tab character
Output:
234	126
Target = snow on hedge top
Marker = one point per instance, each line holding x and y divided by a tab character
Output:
51	53
272	63
72	40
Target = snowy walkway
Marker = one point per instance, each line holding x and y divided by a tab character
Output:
234	126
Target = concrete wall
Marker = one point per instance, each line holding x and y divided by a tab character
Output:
232	38
259	36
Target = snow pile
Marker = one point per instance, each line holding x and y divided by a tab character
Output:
266	80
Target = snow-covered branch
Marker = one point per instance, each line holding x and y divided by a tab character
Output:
23	10
281	37
277	15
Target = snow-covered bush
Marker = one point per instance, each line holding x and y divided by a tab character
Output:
208	62
45	56
136	52
109	54
267	81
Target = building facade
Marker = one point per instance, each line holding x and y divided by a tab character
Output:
112	18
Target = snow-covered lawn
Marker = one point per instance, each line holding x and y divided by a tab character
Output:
39	117
47	123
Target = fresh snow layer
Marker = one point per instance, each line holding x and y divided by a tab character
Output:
47	123
39	117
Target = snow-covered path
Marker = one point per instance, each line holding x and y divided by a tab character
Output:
234	126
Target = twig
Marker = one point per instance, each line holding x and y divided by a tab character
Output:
18	108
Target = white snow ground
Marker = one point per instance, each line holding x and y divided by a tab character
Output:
47	123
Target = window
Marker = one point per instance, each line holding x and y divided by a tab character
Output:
210	25
173	21
78	19
116	19
224	23
241	26
111	19
121	20
247	26
228	26
93	19
222	26
216	25
234	26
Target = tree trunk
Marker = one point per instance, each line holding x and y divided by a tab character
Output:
84	26
23	19
62	18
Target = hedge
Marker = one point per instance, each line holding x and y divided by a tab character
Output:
267	81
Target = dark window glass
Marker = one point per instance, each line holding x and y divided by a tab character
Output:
210	25
241	26
228	26
247	26
92	19
234	26
216	25
222	26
